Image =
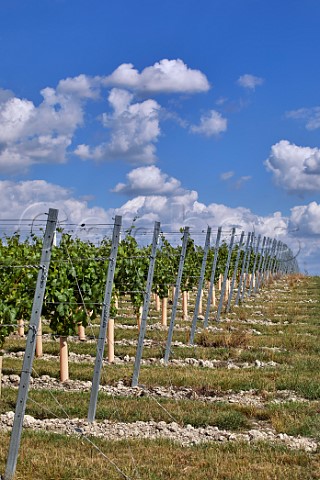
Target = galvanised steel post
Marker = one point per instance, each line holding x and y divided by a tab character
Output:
143	326
235	271
200	286
270	259
284	259
254	276
213	272
176	293
30	345
258	279
274	263
104	319
280	266
280	254
225	276
265	259
249	235
247	266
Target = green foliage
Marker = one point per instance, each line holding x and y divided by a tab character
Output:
75	283
132	270
78	271
192	266
166	267
18	276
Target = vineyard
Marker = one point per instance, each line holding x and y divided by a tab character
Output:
157	355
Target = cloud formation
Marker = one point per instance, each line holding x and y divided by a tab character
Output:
149	181
28	199
211	124
249	81
165	76
226	175
310	115
236	183
133	131
173	208
30	134
305	219
295	168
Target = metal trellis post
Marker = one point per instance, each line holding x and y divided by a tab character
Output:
256	286
146	303
271	257
176	293
235	272
243	268
247	267
265	260
30	345
253	275
200	286
213	273
104	319
225	276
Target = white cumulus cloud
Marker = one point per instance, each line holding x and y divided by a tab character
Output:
211	124
148	181
305	219
295	168
165	76
133	130
249	81
32	134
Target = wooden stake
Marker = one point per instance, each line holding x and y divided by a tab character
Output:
64	367
81	332
21	328
157	299
0	373
111	340
185	305
173	292
213	298
227	290
39	350
200	303
164	312
139	315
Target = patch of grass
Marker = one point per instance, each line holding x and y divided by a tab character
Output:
296	418
232	420
232	339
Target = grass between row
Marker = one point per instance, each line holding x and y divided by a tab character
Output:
292	418
289	336
304	378
41	457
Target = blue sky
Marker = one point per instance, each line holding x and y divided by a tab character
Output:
203	112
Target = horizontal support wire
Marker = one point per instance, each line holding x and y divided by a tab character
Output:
36	267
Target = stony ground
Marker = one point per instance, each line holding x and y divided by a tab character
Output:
184	434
